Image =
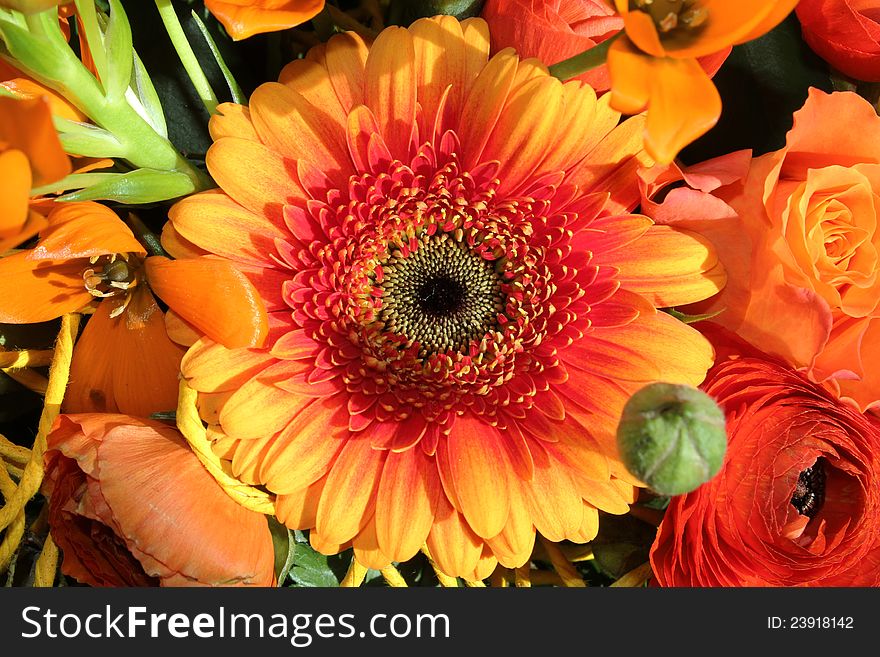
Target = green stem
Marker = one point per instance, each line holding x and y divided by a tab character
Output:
583	62
88	17
145	236
187	56
234	88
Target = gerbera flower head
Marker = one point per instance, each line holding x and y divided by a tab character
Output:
459	302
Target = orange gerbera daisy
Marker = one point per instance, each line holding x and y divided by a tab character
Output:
459	304
124	360
655	65
30	156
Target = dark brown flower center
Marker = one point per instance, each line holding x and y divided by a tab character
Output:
673	15
809	494
441	294
112	276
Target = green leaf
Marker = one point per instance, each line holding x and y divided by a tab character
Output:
284	543
35	55
691	319
762	84
87	140
313	569
404	12
237	94
143	88
134	187
120	56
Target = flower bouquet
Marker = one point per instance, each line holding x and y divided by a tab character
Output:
440	293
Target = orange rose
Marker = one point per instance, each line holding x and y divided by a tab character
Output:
797	500
131	505
804	252
244	18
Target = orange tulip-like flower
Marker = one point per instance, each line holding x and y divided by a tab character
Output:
245	18
124	360
131	505
797	500
459	302
655	65
30	156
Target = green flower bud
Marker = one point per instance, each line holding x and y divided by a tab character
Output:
672	437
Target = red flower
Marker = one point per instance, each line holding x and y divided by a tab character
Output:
554	30
797	501
846	33
130	505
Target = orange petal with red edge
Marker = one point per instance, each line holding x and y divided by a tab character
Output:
670	267
349	498
213	296
404	503
479	466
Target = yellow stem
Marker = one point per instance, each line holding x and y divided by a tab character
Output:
569	574
355	575
393	577
59	373
444	579
47	564
12	452
635	577
15	530
522	576
25	358
31	380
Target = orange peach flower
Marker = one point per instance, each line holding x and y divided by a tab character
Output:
805	262
30	156
245	18
460	302
124	361
131	505
655	65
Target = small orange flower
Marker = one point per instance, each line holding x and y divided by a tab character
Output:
655	65
124	360
130	505
244	18
30	156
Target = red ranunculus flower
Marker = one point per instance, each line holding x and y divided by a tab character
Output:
553	30
846	33
131	505
797	501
